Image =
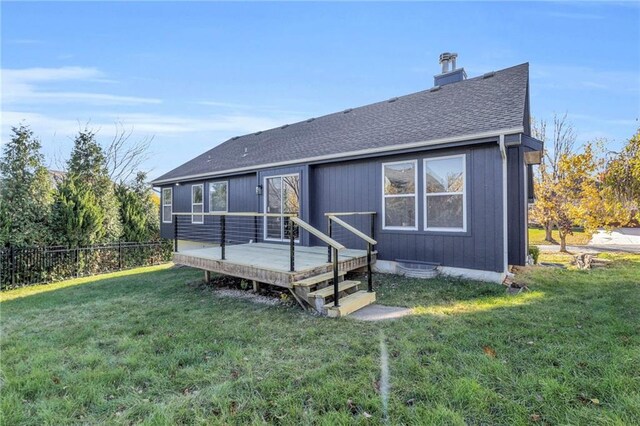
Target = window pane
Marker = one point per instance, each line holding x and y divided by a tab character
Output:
291	197
197	193
218	197
197	208
445	175
400	211
445	211
166	213
399	179
166	196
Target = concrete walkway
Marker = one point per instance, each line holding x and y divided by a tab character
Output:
595	248
380	312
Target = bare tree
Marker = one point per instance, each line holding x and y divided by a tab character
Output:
124	156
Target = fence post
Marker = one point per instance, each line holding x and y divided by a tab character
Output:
292	247
119	255
175	233
76	261
12	259
222	235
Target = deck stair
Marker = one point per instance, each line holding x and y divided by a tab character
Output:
318	292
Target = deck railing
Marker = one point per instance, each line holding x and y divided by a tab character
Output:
227	228
334	218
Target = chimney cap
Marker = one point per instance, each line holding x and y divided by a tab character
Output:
447	56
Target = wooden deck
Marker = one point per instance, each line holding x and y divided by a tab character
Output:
269	263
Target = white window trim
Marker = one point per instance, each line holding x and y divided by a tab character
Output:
164	219
463	193
264	204
194	214
226	183
415	198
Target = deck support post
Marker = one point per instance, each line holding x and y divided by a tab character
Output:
336	284
175	233
292	247
207	277
222	235
256	286
369	277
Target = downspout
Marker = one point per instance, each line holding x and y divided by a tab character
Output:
505	234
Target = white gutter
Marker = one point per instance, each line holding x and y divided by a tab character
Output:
505	227
420	144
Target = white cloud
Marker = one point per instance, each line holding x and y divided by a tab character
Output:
28	86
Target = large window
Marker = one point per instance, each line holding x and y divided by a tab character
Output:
399	204
218	197
197	203
167	205
445	194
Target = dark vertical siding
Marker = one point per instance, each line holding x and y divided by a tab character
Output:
357	186
241	193
517	214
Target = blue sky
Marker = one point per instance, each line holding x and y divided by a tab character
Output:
195	74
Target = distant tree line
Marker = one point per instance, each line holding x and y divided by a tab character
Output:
101	197
589	186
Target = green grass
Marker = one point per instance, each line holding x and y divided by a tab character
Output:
578	238
146	346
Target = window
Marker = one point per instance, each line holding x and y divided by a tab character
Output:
197	204
399	195
218	197
167	205
445	200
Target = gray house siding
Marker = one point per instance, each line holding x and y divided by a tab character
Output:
357	186
241	198
517	212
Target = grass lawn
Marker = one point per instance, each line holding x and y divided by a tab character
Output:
579	238
144	346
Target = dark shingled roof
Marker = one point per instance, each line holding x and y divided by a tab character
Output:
487	103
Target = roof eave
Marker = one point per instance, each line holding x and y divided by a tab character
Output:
347	155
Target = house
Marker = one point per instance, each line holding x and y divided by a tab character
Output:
440	179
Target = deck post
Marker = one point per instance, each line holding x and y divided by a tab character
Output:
222	235
373	225
255	229
175	233
369	277
292	247
329	231
336	284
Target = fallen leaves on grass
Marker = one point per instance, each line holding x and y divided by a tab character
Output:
535	417
489	351
587	400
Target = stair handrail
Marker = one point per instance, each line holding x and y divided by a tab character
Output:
334	247
321	235
333	217
353	230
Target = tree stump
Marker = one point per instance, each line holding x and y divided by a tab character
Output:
583	260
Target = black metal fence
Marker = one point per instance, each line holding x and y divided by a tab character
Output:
21	267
